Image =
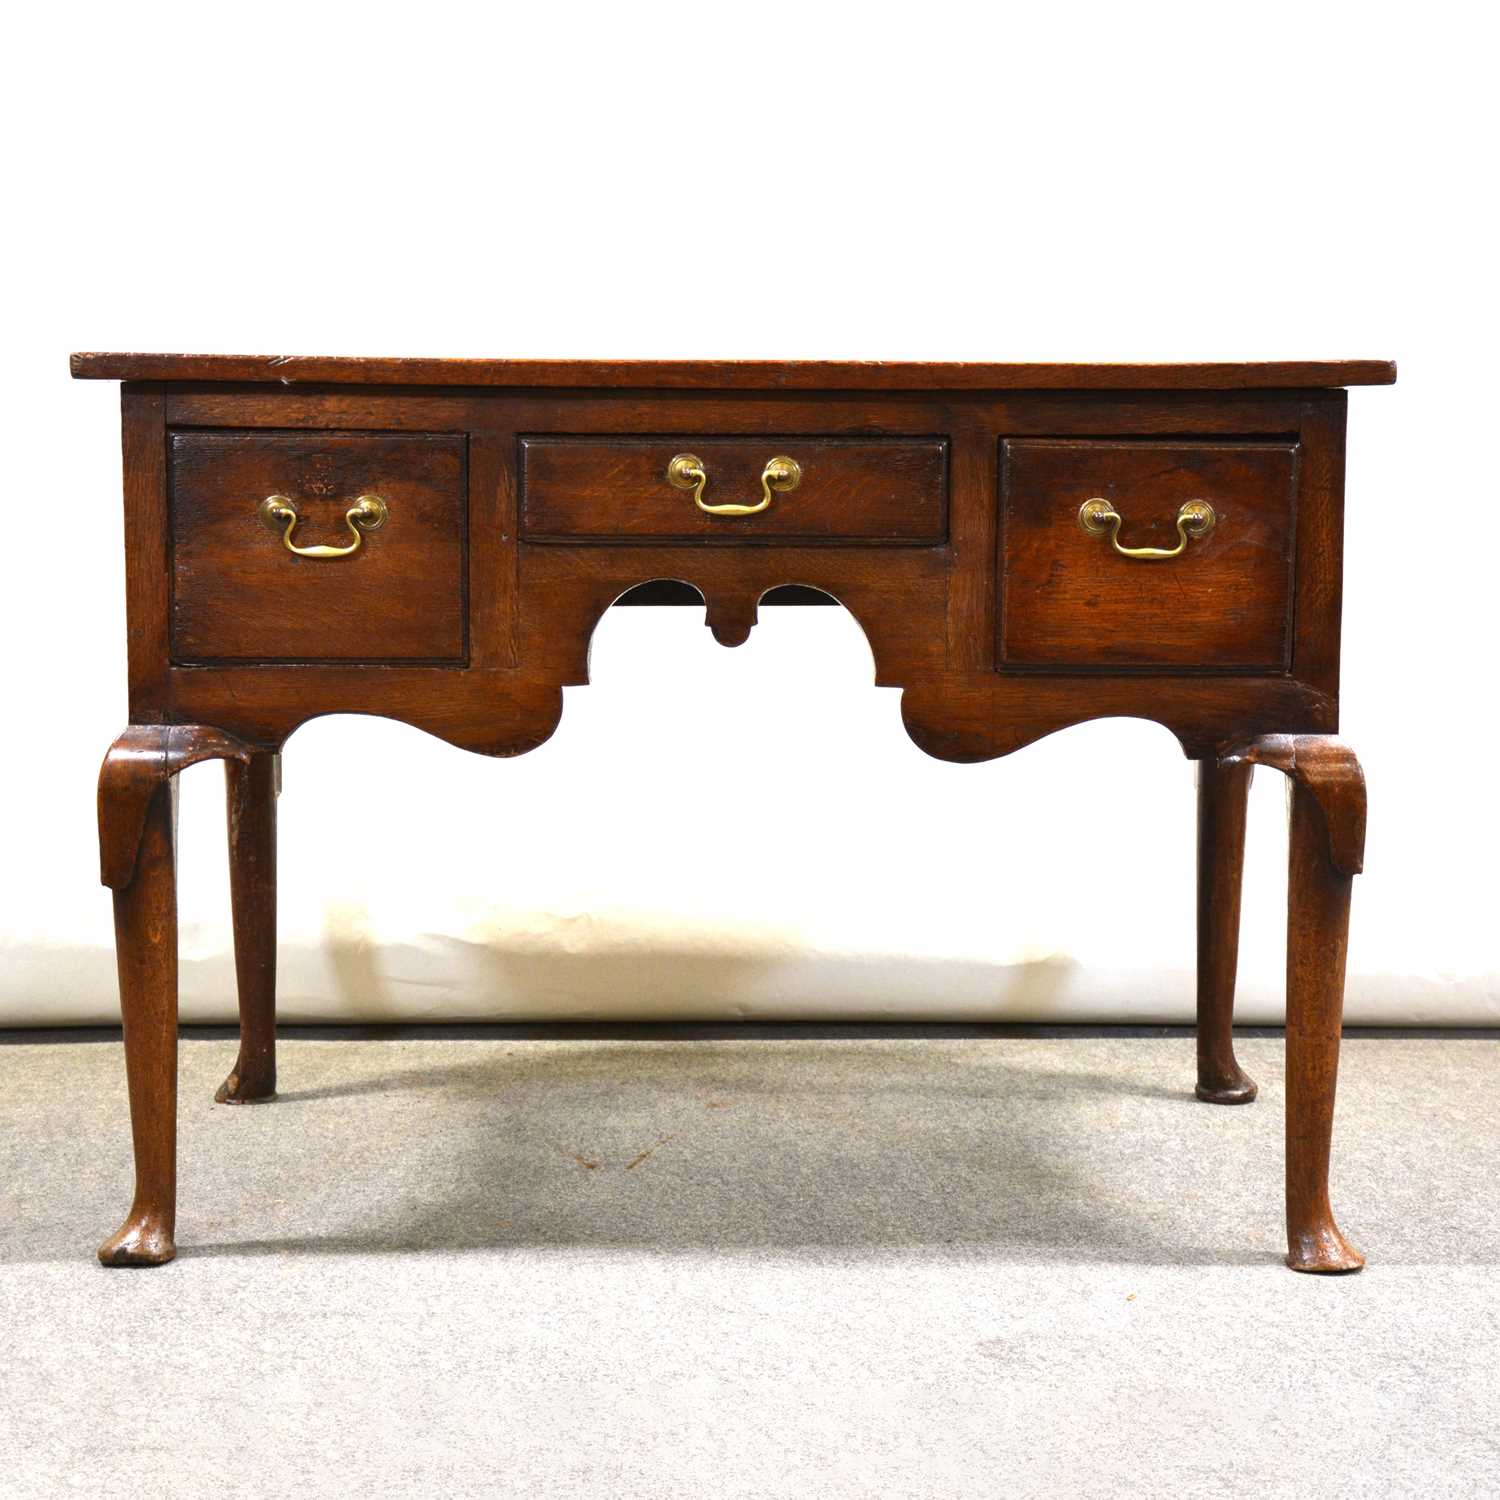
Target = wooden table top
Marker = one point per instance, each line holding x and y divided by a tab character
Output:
753	375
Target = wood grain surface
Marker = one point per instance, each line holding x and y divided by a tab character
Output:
1070	600
938	505
742	375
239	595
616	489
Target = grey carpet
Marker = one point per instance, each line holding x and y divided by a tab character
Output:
750	1264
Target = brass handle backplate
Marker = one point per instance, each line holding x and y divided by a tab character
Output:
1195	518
686	472
280	514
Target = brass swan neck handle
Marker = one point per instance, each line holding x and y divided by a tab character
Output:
686	472
1195	518
279	512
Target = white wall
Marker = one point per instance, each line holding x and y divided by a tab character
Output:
749	832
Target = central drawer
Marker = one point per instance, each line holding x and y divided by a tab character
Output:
692	488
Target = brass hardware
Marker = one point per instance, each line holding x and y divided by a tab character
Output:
280	514
686	472
1195	518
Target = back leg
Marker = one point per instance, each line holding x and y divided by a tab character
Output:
252	788
1223	792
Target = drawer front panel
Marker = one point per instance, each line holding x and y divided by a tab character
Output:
240	595
849	490
1070	600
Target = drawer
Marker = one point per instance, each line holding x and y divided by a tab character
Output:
1069	599
238	594
844	489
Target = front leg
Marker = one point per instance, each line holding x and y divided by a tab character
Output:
146	956
251	789
138	861
1327	816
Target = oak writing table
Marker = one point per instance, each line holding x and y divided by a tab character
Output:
1025	546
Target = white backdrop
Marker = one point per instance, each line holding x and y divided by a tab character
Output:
750	833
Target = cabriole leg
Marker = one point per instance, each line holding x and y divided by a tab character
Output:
1327	812
1317	943
1223	791
138	862
251	788
146	954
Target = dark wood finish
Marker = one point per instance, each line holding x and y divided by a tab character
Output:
144	756
1070	600
148	597
740	374
239	595
976	415
1317	946
146	955
138	860
669	592
928	612
1320	544
525	501
972	718
251	788
1223	792
146	951
1329	772
616	489
1327	816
